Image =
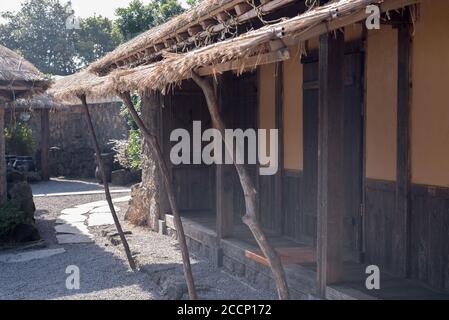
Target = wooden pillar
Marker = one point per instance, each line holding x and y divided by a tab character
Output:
278	178
3	190
224	176
401	239
45	143
330	161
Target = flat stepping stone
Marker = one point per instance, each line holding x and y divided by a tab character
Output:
92	205
71	218
75	211
104	209
122	199
74	228
30	255
73	239
100	219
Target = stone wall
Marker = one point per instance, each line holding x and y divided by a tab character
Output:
71	153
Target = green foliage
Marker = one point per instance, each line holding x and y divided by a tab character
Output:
11	217
19	140
38	32
139	17
95	39
134	149
129	152
125	113
193	3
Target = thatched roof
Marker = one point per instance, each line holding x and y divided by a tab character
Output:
68	89
177	67
18	77
154	35
37	102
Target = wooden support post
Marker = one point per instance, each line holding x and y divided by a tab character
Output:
45	143
157	152
3	188
224	178
331	203
131	262
249	191
278	178
401	239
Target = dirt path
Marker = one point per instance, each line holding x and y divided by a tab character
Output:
104	272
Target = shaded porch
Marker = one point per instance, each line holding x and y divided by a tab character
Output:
238	253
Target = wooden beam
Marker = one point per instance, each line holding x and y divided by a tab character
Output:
278	178
241	8
331	203
159	47
222	16
45	143
401	239
248	63
3	193
194	30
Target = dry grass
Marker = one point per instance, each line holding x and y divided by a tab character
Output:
14	67
175	68
154	35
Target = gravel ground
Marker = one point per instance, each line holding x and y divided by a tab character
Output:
104	271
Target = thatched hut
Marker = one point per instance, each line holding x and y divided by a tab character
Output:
363	149
18	79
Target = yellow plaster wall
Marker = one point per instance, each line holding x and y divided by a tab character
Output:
430	103
381	100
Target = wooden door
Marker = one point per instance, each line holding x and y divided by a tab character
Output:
194	184
353	149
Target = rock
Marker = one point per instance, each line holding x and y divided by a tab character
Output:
121	177
21	196
73	239
30	255
74	228
143	208
14	176
25	233
100	219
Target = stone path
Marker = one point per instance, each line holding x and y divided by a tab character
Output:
72	225
30	255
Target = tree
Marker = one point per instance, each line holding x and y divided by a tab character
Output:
193	3
94	39
38	32
139	17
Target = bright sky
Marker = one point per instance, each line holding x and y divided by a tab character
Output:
83	8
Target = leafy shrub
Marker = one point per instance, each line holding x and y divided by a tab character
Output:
10	217
129	152
19	140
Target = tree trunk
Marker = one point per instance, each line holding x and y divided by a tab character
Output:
250	192
156	149
3	193
105	183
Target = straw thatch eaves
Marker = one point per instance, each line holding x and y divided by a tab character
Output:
199	23
249	50
68	89
37	102
18	77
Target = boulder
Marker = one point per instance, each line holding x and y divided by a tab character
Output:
21	196
25	233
